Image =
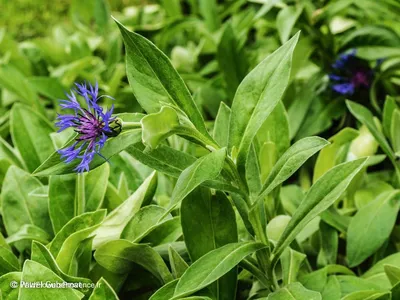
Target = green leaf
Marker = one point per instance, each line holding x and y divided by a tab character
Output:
221	125
205	168
213	266
393	273
113	225
329	244
55	166
164	233
61	199
95	187
370	295
394	130
143	222
291	261
8	261
321	195
209	11
154	80
119	256
43	256
31	135
291	161
232	60
5	285
294	291
331	289
19	205
389	107
67	240
48	86
103	291
16	82
178	264
286	19
157	127
9	154
257	96
165	292
216	229
276	129
371	227
30	233
376	274
34	272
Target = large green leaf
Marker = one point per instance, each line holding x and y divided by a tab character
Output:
216	229
213	266
34	272
154	80
119	256
291	161
321	195
371	227
19	205
116	221
257	96
31	135
205	168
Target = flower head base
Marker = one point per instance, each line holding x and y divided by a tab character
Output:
92	124
350	74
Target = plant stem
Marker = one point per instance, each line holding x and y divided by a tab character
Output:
247	265
130	125
80	201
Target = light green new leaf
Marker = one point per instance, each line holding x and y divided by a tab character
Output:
154	80
43	256
291	161
216	229
30	133
34	272
19	206
320	196
205	168
294	291
116	221
212	266
103	291
119	256
95	187
158	126
257	96
55	166
371	227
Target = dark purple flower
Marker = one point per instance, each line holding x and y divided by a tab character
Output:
91	123
350	74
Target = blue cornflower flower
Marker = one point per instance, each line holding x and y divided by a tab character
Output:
91	123
350	74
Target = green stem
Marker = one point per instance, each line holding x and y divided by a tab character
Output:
130	125
80	201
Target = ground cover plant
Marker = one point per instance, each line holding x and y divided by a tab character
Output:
201	150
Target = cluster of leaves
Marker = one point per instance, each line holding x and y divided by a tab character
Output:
224	192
